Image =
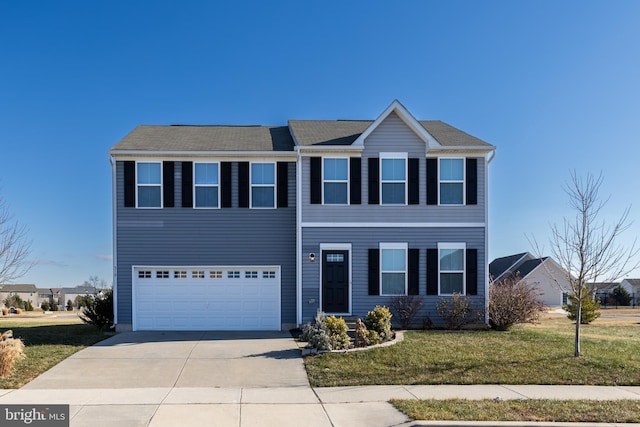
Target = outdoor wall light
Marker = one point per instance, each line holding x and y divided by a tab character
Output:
312	257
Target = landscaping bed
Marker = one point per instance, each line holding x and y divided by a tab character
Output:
539	354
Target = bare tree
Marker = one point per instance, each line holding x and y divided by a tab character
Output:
96	282
14	247
586	247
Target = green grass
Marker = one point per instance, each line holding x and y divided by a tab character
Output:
586	411
47	343
526	355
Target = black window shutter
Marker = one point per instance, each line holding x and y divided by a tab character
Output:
129	184
374	181
187	184
243	184
374	271
432	272
414	271
316	180
225	184
355	180
167	184
472	272
283	184
472	181
414	181
432	181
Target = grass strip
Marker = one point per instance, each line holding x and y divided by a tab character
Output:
46	345
520	356
585	411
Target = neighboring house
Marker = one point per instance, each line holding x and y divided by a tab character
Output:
544	273
603	290
70	294
25	292
633	287
50	295
259	227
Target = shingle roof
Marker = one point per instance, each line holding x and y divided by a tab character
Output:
18	288
79	290
344	132
528	266
500	265
604	286
207	138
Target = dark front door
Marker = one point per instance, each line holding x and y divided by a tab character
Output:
335	281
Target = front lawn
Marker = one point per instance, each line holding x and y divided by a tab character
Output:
541	354
48	341
584	411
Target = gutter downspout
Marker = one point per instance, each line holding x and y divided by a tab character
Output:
298	239
115	239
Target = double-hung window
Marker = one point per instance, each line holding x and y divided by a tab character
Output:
263	189
451	259
336	181
394	178
149	184
393	271
451	181
206	185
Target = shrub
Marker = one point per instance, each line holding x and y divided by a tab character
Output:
589	312
513	301
315	333
373	337
14	301
457	311
18	311
69	305
100	312
11	350
54	305
362	334
28	305
621	296
405	308
337	330
5	311
45	306
379	321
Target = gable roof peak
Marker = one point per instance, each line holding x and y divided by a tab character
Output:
404	114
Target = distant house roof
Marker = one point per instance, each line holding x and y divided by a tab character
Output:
604	286
81	290
499	266
528	266
206	138
18	288
48	290
345	132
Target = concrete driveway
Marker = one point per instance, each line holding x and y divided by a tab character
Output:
181	360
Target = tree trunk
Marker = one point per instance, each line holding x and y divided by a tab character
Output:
576	352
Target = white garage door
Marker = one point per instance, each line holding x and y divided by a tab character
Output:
206	298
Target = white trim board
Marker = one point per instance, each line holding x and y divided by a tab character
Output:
393	225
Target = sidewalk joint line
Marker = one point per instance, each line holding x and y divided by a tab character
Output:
322	406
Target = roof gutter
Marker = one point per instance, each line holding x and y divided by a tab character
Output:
199	153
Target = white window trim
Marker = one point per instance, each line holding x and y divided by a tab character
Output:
456	181
205	186
325	181
161	185
456	245
404	246
252	185
387	156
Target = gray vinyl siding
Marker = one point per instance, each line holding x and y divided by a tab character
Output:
208	237
363	239
392	135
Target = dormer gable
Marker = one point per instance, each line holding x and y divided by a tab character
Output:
399	109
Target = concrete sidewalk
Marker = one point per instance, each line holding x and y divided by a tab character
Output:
283	406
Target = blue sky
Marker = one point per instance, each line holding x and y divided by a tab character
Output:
554	85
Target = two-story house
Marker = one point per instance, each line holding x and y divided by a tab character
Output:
259	227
